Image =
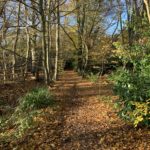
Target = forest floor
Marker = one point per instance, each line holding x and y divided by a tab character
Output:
85	119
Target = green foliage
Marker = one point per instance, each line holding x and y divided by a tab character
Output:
133	88
141	113
92	77
36	99
30	107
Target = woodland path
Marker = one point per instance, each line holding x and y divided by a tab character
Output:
84	120
88	121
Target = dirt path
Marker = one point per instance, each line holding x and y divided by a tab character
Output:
84	120
87	122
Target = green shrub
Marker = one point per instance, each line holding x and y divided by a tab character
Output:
141	113
24	121
133	88
36	99
30	106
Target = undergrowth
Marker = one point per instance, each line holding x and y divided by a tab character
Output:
92	77
30	106
132	85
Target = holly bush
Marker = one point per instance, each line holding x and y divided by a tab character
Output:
132	85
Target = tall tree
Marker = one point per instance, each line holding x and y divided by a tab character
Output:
15	41
57	52
42	7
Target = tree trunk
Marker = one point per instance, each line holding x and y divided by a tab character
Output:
128	7
147	10
49	39
4	67
120	20
44	47
4	52
35	59
15	44
28	50
57	42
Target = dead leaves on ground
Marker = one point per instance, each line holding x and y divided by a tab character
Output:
84	120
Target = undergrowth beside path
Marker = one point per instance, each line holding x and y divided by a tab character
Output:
84	119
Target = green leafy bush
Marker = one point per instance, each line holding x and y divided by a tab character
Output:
36	99
30	106
133	88
141	113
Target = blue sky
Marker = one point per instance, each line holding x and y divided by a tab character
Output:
112	28
108	18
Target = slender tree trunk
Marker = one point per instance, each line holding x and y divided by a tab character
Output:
120	21
80	43
86	57
34	63
4	52
28	44
15	43
57	41
44	47
128	8
147	9
35	69
82	49
4	67
49	39
28	49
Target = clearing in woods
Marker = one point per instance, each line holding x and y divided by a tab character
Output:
84	120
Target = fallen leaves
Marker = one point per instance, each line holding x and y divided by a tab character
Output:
82	121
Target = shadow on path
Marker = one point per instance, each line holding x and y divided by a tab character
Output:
90	124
